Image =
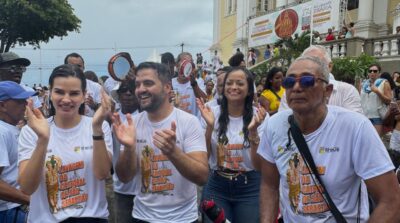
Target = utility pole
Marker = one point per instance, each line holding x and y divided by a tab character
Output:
182	44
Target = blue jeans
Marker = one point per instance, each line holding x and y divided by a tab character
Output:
14	215
238	197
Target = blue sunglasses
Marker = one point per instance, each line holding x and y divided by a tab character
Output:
305	81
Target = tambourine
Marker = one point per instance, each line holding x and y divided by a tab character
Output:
119	66
186	68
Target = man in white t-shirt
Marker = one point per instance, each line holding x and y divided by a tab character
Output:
348	154
186	88
167	154
124	193
219	87
12	108
343	95
93	89
12	67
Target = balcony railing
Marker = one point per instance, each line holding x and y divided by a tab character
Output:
386	46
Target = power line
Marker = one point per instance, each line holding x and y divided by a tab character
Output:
113	48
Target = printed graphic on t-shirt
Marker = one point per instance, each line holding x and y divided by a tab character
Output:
229	156
63	184
182	102
155	172
304	195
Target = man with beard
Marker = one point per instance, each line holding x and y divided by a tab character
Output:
12	68
167	155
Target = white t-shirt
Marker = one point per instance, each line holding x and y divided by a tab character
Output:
234	155
185	98
164	195
93	89
213	102
346	149
68	175
8	159
110	84
35	99
119	187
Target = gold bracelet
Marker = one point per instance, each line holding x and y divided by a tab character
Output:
255	140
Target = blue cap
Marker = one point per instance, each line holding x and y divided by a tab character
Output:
12	90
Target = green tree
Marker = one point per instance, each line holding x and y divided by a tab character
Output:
293	47
34	21
350	69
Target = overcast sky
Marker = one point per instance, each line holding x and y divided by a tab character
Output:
138	27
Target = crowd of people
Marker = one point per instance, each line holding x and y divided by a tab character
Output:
298	146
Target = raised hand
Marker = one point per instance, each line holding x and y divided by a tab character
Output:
90	102
206	112
374	88
257	119
125	133
103	111
165	139
37	121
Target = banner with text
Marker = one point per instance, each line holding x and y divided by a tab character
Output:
268	29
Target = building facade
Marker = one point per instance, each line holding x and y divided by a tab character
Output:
373	18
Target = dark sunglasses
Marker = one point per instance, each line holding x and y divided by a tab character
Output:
122	90
373	71
305	81
15	69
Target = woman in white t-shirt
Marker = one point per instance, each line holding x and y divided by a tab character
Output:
63	160
232	137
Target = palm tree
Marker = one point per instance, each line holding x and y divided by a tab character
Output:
291	50
293	47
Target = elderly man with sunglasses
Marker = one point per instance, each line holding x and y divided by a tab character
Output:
346	151
343	94
12	68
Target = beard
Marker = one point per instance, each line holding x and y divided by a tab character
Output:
155	102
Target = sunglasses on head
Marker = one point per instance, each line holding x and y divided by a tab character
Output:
373	71
306	81
15	69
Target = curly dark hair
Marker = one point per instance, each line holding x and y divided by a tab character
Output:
223	119
236	59
270	76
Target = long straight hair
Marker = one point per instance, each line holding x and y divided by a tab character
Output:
223	119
